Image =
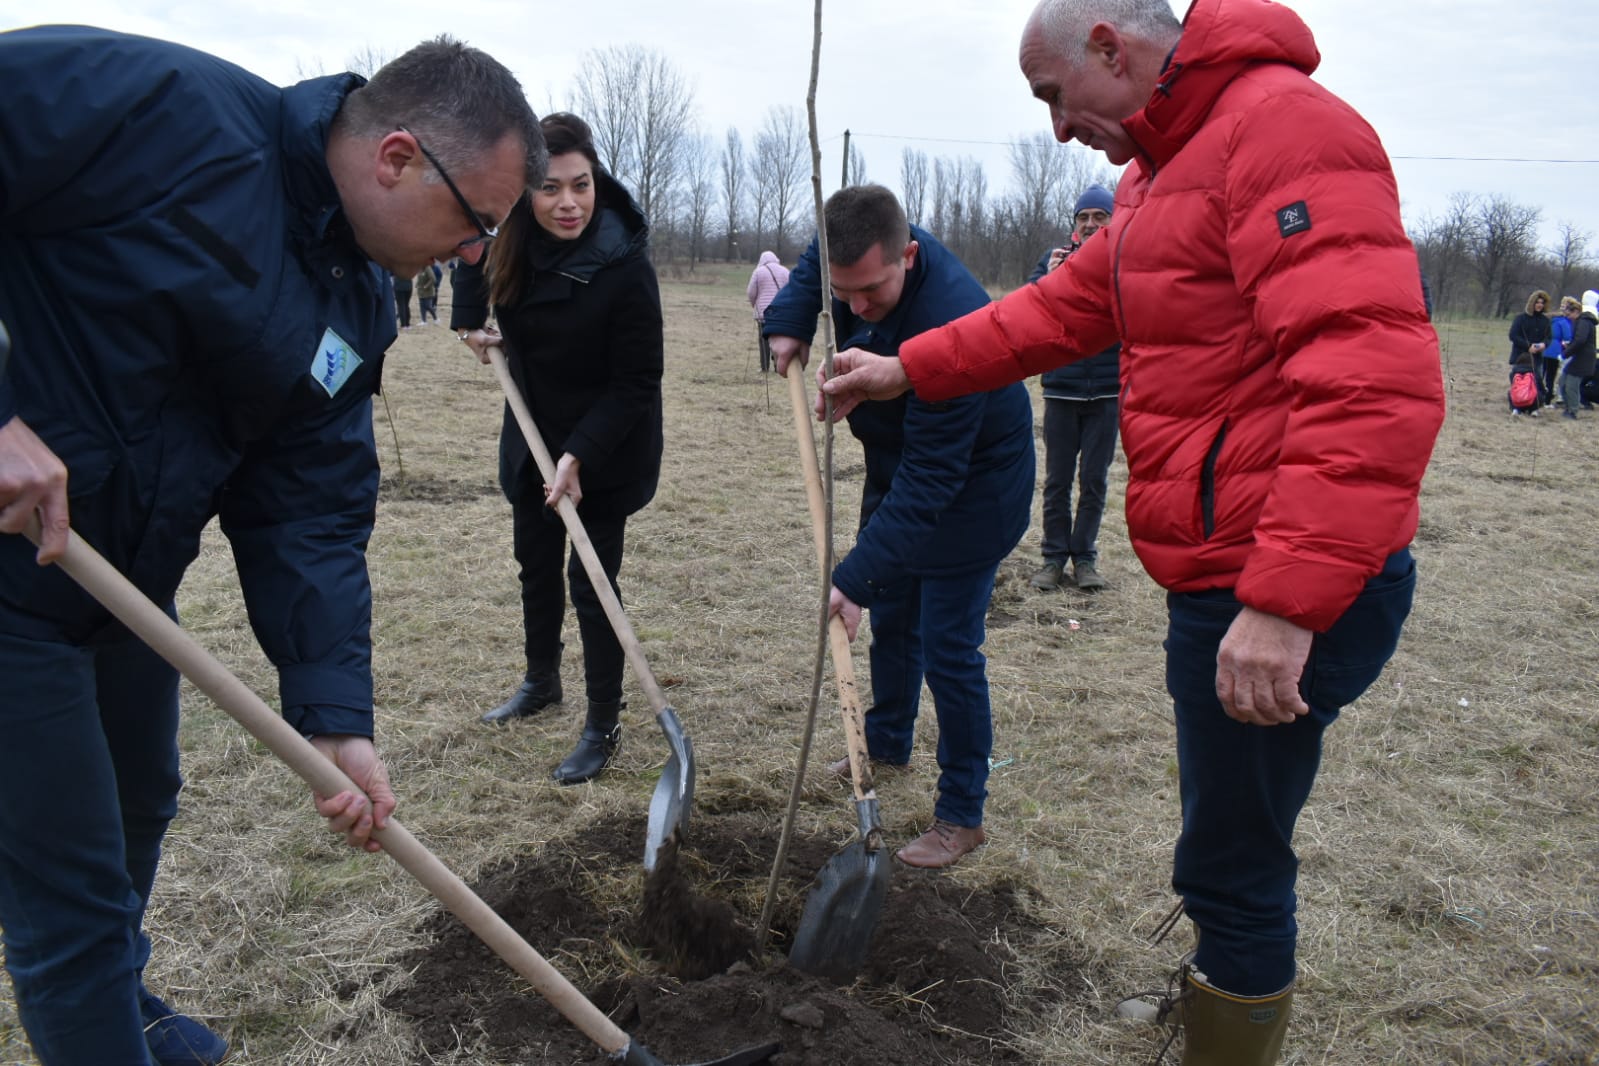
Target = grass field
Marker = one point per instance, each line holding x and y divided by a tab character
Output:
1448	888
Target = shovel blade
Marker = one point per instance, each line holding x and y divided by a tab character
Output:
841	914
673	800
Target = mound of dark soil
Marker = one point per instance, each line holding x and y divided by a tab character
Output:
936	987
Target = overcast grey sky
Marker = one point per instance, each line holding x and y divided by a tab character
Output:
1445	82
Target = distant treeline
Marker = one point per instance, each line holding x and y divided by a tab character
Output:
730	199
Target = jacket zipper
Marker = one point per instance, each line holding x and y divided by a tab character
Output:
1207	481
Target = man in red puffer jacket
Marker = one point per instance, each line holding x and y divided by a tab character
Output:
1280	396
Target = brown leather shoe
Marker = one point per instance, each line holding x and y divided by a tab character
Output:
840	769
942	845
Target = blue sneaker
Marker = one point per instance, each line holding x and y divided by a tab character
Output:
176	1040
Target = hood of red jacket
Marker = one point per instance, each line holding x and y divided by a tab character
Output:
1220	39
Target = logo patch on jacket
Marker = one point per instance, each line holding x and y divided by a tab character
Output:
334	362
1295	218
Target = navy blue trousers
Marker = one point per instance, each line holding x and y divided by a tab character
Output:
932	628
88	783
1243	786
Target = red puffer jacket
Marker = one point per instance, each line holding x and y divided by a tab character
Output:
1281	388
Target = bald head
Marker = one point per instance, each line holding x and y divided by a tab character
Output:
1095	63
1064	24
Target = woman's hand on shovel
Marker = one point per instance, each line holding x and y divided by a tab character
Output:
845	608
349	812
479	340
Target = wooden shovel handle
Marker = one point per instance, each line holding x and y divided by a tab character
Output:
838	640
580	537
118	595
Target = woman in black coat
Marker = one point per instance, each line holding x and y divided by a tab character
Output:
577	303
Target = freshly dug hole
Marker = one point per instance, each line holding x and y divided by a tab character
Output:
935	989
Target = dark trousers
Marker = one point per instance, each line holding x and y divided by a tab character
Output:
1079	443
1550	371
932	628
539	541
1571	391
89	772
427	305
402	306
1243	786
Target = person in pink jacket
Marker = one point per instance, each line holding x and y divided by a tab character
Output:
768	277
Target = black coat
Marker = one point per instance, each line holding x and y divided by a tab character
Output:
1527	329
1580	349
584	344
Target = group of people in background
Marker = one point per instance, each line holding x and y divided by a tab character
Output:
1553	355
426	285
1268	493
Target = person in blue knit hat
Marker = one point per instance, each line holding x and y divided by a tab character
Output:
1079	432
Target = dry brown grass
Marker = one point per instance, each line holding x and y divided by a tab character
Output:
1449	878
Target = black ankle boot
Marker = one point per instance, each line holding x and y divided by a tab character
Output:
537	691
602	734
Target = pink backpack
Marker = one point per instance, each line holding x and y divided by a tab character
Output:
1524	390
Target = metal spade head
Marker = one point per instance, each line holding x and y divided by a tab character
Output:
673	801
841	913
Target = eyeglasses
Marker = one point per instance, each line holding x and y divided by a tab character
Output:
485	233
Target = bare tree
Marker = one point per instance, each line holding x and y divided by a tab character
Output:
1039	166
367	60
913	183
733	180
605	92
1445	245
780	169
666	124
1570	253
642	110
960	200
855	166
1505	233
699	172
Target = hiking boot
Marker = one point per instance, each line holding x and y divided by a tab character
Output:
1086	576
538	690
1569	414
1050	577
176	1040
601	736
941	846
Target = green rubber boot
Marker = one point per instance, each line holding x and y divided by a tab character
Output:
1221	1029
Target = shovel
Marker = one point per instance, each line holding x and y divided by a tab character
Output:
117	595
841	913
674	792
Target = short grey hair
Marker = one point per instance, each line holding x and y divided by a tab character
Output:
459	100
1065	23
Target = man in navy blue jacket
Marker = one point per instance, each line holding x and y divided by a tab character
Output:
194	266
948	490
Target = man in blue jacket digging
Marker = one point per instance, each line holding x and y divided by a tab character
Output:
948	492
194	267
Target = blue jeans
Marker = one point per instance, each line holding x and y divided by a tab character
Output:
1079	442
931	627
1243	786
89	773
